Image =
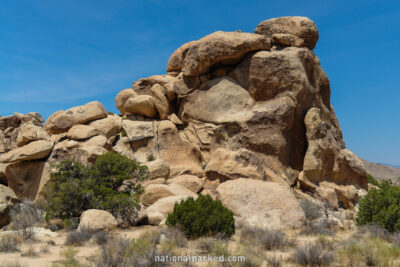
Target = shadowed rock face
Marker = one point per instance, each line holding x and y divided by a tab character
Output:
233	107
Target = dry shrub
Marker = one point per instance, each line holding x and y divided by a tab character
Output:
78	238
268	239
311	255
175	236
8	243
101	237
322	227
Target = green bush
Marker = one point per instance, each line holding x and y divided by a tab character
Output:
371	179
381	206
202	217
74	187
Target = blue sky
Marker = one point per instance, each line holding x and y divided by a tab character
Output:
59	54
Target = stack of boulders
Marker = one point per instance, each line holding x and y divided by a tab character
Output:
243	117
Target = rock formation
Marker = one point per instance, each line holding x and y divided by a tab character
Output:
244	117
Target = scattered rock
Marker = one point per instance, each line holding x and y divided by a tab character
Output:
158	169
7	196
142	104
97	220
191	182
35	150
81	132
29	132
155	192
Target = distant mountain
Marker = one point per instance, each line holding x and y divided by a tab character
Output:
382	171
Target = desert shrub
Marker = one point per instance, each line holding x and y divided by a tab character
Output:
151	157
8	243
201	217
381	206
311	255
74	187
68	257
311	209
371	179
206	244
268	239
24	216
78	238
367	251
175	236
375	231
322	227
126	253
12	264
274	261
101	237
29	252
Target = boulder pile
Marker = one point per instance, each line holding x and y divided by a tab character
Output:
244	117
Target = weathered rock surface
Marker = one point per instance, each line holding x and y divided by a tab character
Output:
142	105
301	27
271	202
191	182
155	192
29	132
159	211
158	169
7	196
35	150
62	121
81	132
110	126
122	98
223	48
97	220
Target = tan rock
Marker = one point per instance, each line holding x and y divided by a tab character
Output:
218	101
271	202
221	47
176	60
155	192
30	132
160	100
227	165
347	195
7	196
182	157
99	141
81	132
97	220
142	104
301	27
154	181
191	182
122	98
27	178
174	119
329	196
286	39
123	147
158	169
62	121
35	150
3	145
159	211
138	130
110	126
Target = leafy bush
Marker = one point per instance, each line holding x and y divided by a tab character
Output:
202	217
371	179
381	206
311	209
74	187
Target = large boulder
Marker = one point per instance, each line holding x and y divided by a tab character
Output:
271	202
110	126
218	101
222	48
300	27
142	105
97	220
155	192
7	198
229	165
176	59
138	130
158	169
29	132
191	182
62	121
122	98
81	132
35	150
27	178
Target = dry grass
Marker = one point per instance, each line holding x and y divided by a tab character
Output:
311	255
9	243
268	239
